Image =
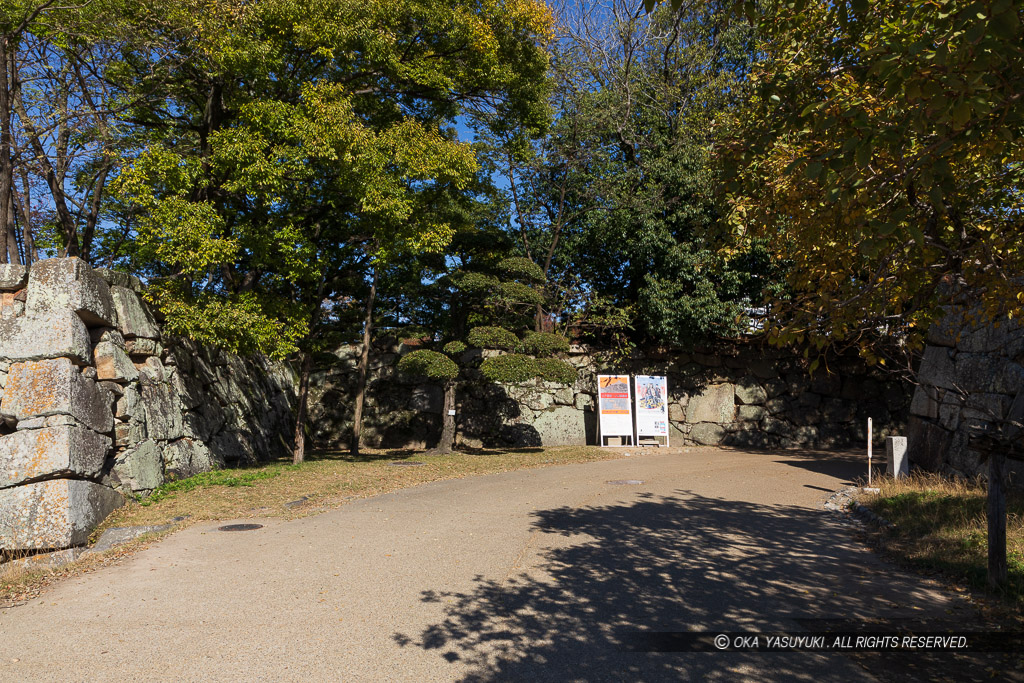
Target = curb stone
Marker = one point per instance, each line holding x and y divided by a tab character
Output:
843	501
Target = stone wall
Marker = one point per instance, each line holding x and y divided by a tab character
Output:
971	371
734	395
96	402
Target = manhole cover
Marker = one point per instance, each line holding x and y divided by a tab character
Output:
625	482
239	527
406	463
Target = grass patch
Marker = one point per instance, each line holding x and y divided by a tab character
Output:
230	478
941	525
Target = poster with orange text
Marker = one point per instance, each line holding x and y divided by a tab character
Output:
615	407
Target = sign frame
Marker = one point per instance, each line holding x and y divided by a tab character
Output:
651	408
615	409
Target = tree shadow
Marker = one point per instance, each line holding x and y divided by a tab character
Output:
342	455
661	564
846	466
498	451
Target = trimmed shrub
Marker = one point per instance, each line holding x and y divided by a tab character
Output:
430	364
517	293
510	368
475	283
555	370
493	338
544	343
454	348
519	266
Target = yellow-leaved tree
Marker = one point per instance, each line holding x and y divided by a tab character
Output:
305	143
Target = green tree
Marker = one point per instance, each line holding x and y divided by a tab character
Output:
63	106
486	301
623	192
303	141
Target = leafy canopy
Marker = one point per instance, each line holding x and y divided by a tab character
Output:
305	141
882	156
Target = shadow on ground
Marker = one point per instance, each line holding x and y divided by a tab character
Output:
848	467
405	453
673	563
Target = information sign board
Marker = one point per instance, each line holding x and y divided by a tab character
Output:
651	407
615	407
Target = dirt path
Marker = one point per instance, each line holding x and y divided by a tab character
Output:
529	575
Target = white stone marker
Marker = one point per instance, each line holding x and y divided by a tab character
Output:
897	464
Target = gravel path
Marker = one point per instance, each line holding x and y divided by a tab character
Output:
523	576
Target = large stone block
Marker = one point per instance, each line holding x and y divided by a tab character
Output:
927	443
10	305
774	426
716	403
133	317
112	363
62	284
838	410
12	276
751	413
949	411
561	426
57	334
56	387
426	399
1002	336
948	329
233	446
119	278
983	408
163	411
750	393
129	404
826	383
925	402
937	368
64	451
53	514
988	373
141	468
186	457
707	434
765	368
140	346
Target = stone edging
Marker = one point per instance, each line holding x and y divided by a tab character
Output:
843	501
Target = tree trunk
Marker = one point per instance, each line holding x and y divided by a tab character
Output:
364	364
299	454
8	243
25	208
448	420
65	220
12	231
996	521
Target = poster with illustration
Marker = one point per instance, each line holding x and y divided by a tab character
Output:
651	407
615	403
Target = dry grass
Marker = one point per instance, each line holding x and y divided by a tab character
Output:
941	525
327	480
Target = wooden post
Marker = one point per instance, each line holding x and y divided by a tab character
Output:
870	438
996	520
1006	441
